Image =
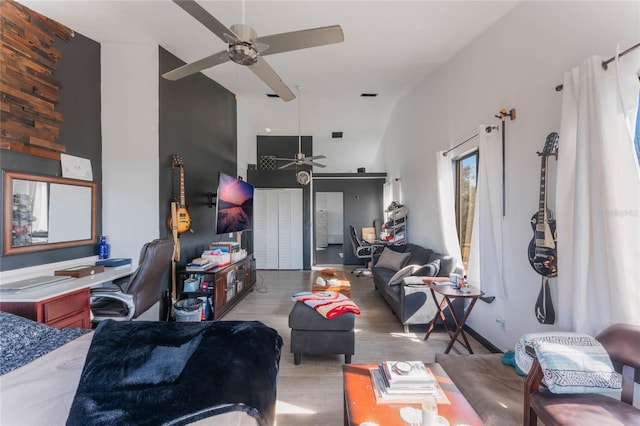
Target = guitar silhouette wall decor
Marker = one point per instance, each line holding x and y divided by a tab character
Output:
542	252
183	219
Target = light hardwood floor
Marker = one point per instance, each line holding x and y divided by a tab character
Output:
311	393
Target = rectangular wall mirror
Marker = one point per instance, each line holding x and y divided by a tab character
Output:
47	212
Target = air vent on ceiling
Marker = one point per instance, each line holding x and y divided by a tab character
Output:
336	135
369	95
272	95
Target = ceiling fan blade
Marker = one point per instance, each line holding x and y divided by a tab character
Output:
206	19
313	163
197	66
295	40
287	165
316	157
263	70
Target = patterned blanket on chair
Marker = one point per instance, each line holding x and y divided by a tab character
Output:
571	362
329	304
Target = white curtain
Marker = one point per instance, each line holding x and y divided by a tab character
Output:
598	198
446	207
486	257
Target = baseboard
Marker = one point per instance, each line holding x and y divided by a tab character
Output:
484	342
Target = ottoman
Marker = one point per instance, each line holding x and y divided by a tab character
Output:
311	333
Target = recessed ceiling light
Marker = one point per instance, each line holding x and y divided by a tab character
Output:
369	95
267	129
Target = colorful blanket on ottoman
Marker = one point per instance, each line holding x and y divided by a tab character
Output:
329	304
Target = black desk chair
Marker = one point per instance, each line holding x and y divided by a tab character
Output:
128	298
362	250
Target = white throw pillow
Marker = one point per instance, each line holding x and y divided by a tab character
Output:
407	271
431	269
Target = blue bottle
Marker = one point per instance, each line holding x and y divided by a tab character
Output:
103	248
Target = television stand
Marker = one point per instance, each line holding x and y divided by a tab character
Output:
225	286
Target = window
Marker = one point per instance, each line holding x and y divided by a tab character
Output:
466	182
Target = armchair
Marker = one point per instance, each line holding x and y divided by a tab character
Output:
621	343
362	250
128	298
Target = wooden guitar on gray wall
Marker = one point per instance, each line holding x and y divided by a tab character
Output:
543	255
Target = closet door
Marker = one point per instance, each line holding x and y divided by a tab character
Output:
278	228
265	233
290	229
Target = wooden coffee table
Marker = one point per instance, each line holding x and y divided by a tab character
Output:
341	283
360	402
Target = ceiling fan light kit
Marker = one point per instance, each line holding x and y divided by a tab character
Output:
246	48
303	177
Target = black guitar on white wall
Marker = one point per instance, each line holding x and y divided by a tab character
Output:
543	254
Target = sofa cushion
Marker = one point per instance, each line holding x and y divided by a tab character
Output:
402	273
419	254
431	269
447	264
391	259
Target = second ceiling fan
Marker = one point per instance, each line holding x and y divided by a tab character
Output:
300	159
246	48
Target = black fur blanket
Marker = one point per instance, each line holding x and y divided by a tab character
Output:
159	373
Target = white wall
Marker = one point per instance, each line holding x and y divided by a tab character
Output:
319	117
515	64
130	138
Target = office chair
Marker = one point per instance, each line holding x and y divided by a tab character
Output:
128	298
362	250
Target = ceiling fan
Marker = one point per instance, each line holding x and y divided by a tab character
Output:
246	48
300	159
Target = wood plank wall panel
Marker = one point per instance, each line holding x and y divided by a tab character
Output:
28	92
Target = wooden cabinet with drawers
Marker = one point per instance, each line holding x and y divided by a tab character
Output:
67	310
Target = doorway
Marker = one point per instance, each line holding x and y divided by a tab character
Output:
329	228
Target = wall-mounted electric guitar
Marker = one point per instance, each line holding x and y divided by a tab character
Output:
542	248
183	219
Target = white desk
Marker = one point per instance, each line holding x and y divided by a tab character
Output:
62	304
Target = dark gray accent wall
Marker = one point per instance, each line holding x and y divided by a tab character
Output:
79	100
198	121
363	194
283	147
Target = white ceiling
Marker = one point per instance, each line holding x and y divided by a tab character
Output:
389	46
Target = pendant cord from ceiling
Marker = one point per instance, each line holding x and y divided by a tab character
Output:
605	64
299	109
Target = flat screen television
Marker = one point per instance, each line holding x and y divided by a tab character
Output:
234	207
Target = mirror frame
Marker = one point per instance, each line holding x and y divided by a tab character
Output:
8	196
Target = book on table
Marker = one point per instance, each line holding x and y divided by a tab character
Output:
199	265
406	374
392	395
403	382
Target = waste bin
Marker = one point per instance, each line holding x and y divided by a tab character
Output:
187	310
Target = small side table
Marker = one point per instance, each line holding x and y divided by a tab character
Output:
449	293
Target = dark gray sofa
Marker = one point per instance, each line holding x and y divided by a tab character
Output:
413	304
